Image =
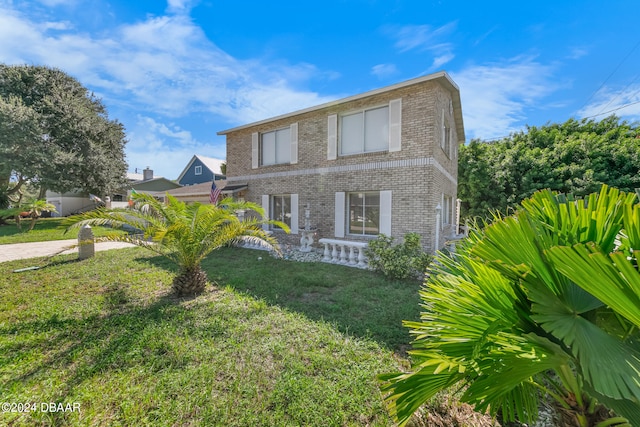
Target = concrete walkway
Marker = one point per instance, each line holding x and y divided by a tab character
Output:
40	249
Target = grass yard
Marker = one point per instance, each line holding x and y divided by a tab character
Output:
276	343
46	229
299	345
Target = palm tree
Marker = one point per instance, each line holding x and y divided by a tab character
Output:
33	209
544	303
183	233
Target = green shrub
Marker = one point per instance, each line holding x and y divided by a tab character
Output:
401	261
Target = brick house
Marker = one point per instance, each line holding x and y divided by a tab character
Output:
377	162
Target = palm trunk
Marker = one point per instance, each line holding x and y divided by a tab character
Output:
190	281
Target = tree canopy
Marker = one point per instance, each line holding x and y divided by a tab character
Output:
55	134
573	157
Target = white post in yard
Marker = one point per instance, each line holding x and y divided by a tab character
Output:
438	214
86	244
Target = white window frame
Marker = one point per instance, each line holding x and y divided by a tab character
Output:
447	209
277	142
197	170
349	218
268	204
282	216
363	142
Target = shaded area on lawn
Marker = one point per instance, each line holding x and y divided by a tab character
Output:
359	302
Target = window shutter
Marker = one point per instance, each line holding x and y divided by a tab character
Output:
294	214
442	130
254	150
332	143
294	143
339	214
395	125
265	206
385	212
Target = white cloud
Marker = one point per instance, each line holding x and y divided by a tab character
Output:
164	66
383	71
165	147
495	96
424	38
180	6
623	103
578	52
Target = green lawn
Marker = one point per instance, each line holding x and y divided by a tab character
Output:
276	343
46	229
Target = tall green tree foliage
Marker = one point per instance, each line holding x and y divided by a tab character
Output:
574	157
554	288
56	134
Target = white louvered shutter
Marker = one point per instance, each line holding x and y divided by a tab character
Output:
339	214
332	140
255	152
294	143
265	206
395	125
385	212
294	214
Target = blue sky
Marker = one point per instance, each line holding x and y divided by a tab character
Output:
176	72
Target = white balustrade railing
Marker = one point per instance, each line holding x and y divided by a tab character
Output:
344	252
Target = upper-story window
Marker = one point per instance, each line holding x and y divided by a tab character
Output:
365	131
376	129
198	170
275	147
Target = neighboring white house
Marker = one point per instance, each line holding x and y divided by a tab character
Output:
74	202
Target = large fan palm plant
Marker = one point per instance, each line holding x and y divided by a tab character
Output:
542	304
183	233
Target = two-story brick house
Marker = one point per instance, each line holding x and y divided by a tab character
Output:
377	162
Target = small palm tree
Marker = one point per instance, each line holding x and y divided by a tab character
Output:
183	233
544	302
33	209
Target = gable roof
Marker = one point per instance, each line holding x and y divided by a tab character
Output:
442	77
154	182
214	165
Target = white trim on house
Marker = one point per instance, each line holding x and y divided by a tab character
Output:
390	164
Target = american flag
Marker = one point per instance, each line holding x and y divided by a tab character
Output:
215	193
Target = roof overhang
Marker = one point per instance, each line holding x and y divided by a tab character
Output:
234	188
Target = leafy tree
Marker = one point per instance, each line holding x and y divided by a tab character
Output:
574	157
185	234
56	134
543	302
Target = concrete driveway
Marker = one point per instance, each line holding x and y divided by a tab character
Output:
41	249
